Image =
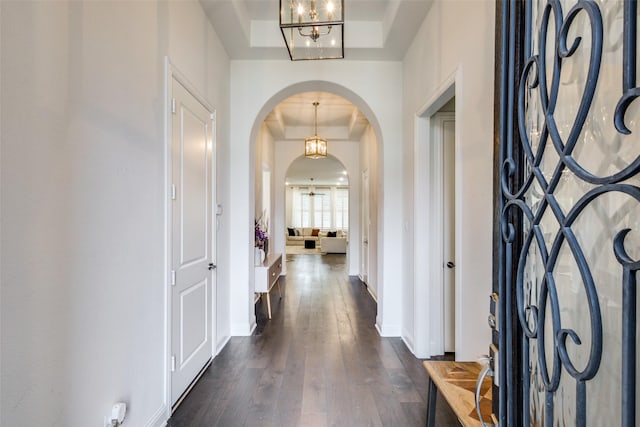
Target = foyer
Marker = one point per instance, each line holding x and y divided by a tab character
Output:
318	362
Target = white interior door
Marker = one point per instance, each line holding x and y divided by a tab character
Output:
448	231
192	237
364	252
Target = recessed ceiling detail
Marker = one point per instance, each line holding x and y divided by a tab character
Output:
328	171
377	29
293	118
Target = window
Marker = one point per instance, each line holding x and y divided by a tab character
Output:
327	208
301	207
322	208
341	214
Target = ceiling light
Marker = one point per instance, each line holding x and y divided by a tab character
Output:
313	21
315	147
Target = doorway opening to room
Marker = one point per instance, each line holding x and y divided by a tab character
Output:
313	209
443	125
317	207
437	212
442	223
315	202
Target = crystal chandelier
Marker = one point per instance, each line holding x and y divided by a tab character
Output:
313	29
315	147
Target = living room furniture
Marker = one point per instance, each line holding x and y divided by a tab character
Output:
300	234
309	244
267	275
333	245
456	382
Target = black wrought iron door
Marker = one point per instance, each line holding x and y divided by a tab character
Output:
568	227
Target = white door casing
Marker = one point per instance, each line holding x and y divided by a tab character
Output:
191	238
365	222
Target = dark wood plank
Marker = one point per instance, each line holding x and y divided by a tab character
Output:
318	362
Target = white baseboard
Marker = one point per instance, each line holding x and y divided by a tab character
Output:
242	329
159	419
222	344
373	295
408	341
388	330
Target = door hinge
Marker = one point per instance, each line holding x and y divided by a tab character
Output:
173	277
173	191
173	363
173	105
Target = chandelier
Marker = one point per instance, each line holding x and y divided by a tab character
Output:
313	29
315	147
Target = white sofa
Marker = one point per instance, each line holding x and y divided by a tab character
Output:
303	234
333	245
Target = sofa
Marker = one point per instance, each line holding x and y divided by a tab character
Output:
333	245
302	234
297	236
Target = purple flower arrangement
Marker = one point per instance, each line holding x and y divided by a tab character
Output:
261	236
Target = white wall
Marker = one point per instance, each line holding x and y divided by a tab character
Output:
369	164
347	152
264	160
82	197
256	87
439	55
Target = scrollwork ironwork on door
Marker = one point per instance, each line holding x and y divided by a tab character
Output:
538	293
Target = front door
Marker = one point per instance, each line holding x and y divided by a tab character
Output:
568	227
192	237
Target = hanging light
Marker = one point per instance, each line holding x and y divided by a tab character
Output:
313	29
314	147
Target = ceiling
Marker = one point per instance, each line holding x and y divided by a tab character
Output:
338	118
316	172
338	121
373	29
380	30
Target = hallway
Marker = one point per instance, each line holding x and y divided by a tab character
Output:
318	362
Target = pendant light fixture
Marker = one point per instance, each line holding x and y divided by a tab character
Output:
313	29
314	147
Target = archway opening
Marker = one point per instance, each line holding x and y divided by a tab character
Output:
356	143
317	204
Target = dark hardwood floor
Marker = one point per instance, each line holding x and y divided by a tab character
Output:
318	362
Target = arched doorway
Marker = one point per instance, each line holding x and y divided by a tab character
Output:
318	196
372	133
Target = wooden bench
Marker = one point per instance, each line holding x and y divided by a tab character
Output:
456	381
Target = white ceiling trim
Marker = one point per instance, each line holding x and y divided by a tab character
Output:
374	29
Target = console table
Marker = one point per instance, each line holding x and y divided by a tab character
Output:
456	381
267	275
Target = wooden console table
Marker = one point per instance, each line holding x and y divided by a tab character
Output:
456	381
267	275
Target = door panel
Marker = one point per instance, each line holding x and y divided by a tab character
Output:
449	233
192	238
193	186
569	220
193	331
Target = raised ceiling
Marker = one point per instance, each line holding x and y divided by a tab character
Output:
373	29
380	30
338	121
317	172
338	118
